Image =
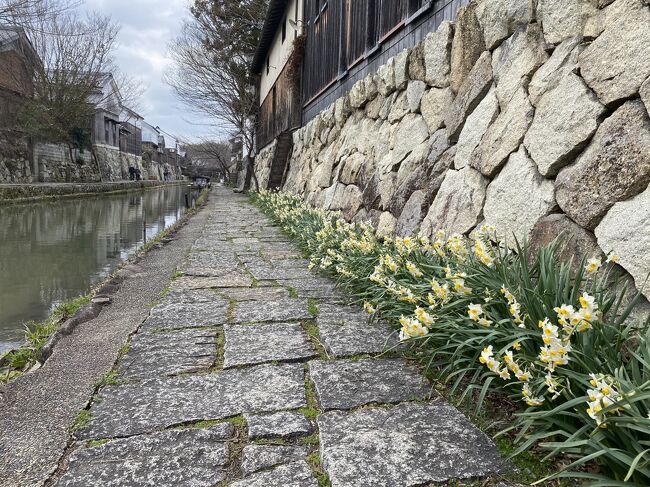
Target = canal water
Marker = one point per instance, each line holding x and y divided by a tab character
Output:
53	251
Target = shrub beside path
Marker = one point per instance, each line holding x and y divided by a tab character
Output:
253	371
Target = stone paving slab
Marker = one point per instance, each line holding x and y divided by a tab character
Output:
191	296
408	445
196	457
255	293
187	315
260	343
346	384
281	310
209	264
313	287
152	355
285	424
131	409
233	279
346	330
259	457
270	271
296	474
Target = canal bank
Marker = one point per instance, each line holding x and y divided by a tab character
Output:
39	407
20	193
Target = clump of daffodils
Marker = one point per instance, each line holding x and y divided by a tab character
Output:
603	394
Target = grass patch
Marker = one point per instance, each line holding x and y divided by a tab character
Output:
232	304
312	308
312	439
292	292
176	275
94	443
220	341
111	378
15	362
312	332
313	460
80	421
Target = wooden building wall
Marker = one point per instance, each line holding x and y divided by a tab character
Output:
281	109
348	39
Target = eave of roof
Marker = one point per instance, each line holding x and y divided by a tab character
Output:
274	16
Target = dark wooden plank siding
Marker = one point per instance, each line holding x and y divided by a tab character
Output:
281	109
386	27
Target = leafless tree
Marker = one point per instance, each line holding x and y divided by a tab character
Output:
211	65
209	155
74	58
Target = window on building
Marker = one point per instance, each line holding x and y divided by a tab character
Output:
284	30
268	66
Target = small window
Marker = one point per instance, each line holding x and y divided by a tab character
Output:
284	30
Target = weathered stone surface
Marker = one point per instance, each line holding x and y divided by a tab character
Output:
342	110
467	47
195	457
414	93
504	136
158	354
565	119
191	296
417	71
371	86
500	18
386	224
458	204
408	445
618	61
280	310
437	54
351	201
259	457
614	167
412	215
436	175
315	287
386	75
434	104
209	264
351	167
187	315
285	424
469	95
645	94
517	198
475	127
358	96
562	19
234	279
399	108
401	69
255	293
132	409
515	60
345	384
346	331
563	61
575	243
256	344
625	232
296	474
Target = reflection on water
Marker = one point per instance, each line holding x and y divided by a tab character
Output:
53	251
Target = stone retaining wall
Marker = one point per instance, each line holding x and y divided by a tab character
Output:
12	193
528	115
53	163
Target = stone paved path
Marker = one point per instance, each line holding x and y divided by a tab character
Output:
253	371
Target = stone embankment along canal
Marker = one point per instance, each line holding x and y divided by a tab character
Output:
12	193
253	371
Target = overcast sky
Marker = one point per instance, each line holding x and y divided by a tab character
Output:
148	26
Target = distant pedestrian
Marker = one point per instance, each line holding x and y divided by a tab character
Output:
131	173
138	174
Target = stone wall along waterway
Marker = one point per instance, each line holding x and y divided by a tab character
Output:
52	251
